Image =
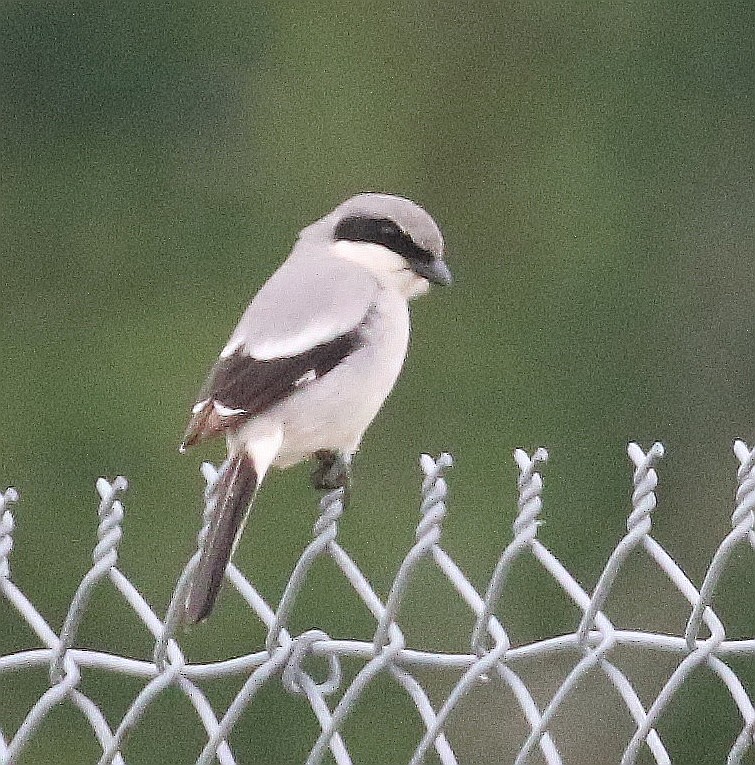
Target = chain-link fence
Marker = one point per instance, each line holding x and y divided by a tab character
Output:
491	659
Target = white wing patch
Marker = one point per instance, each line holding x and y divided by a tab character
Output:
220	409
286	347
300	342
225	411
309	376
232	346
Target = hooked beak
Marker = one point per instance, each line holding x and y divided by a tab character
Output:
436	271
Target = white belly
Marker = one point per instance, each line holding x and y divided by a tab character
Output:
334	411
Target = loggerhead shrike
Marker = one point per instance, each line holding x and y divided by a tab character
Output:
311	361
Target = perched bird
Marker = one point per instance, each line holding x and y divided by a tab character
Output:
311	361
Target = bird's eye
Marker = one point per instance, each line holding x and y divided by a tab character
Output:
388	229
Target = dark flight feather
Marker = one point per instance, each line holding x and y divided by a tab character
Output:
232	497
242	382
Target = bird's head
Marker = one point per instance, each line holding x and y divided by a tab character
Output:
390	236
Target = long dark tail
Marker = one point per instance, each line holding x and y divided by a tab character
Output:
232	498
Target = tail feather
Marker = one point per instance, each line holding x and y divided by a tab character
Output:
232	497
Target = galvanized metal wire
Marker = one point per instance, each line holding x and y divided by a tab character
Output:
285	656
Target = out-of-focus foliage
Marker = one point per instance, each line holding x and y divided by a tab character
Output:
591	165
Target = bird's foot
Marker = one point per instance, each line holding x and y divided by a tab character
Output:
332	471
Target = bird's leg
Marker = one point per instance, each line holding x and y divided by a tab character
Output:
333	471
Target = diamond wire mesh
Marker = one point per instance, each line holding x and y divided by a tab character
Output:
491	657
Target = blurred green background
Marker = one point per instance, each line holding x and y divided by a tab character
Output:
591	165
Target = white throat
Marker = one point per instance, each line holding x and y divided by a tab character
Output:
390	269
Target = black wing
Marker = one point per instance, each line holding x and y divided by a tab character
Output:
241	386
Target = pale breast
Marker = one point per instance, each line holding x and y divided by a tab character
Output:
334	411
